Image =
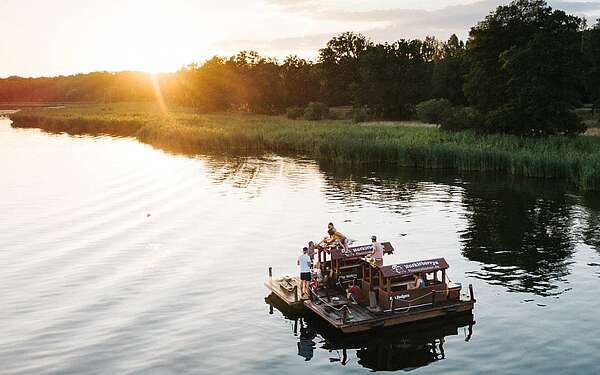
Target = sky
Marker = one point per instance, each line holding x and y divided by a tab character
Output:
48	38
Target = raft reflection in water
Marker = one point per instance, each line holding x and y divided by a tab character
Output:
389	349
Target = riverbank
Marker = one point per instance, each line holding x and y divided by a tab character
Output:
575	160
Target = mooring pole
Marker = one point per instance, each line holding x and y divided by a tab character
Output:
471	292
271	276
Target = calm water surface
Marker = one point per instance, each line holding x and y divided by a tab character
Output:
119	258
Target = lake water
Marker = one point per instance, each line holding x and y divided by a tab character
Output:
119	258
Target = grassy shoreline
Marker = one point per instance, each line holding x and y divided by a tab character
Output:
574	160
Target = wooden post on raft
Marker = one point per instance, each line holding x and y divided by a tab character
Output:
471	292
345	314
295	293
392	304
270	274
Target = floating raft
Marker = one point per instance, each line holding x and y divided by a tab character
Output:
391	296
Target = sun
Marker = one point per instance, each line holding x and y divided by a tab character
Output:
153	37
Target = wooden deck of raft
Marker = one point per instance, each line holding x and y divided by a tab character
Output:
363	319
331	308
285	288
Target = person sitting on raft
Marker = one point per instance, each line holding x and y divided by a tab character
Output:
334	235
354	293
419	282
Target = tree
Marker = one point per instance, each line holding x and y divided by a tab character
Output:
591	54
300	81
448	72
393	78
340	66
525	69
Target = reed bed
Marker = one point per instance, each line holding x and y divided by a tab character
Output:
572	159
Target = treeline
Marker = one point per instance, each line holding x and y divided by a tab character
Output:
90	87
523	70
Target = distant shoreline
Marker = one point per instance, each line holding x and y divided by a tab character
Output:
575	160
23	105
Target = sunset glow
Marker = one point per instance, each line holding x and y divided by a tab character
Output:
71	36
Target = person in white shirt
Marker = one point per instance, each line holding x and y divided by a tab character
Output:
377	252
305	275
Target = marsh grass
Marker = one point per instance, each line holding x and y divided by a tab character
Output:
575	160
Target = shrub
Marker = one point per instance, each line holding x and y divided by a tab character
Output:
433	111
294	112
360	114
461	118
316	111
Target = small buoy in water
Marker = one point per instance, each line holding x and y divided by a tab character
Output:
147	215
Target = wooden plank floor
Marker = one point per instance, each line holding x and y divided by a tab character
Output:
283	288
363	319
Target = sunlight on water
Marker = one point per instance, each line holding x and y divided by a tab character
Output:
120	258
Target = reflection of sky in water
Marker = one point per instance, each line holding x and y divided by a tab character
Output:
120	257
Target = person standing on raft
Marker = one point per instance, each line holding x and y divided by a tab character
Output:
305	275
334	235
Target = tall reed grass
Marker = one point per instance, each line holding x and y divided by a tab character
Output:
575	160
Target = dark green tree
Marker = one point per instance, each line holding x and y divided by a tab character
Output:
340	63
301	81
394	77
449	71
591	54
525	69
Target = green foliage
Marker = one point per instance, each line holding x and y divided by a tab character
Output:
294	112
339	62
316	111
448	72
525	69
360	114
394	77
591	59
461	118
433	111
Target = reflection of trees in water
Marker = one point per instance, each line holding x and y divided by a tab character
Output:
254	174
523	231
388	187
522	236
591	229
